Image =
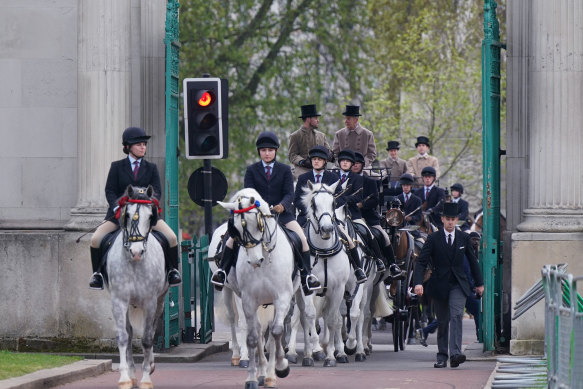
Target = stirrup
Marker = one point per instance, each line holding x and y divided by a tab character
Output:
314	279
96	281
215	280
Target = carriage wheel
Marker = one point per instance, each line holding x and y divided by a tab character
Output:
404	314
411	307
397	316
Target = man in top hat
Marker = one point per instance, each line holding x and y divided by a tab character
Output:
448	285
302	140
416	164
393	166
354	136
456	197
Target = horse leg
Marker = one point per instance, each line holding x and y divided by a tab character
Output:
360	355
292	355
120	314
242	334
280	365
308	318
129	350
231	315
253	341
148	344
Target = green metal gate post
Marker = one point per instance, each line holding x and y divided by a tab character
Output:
491	172
171	304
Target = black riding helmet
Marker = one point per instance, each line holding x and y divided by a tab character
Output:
428	171
346	154
318	151
267	139
131	136
358	157
458	187
406	179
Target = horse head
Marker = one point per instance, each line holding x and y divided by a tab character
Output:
137	218
318	199
254	222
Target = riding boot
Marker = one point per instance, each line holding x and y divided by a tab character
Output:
172	266
394	270
220	275
357	265
96	281
378	257
309	281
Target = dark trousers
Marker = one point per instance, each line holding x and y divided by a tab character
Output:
473	308
449	314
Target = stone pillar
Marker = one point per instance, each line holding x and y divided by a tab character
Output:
554	116
104	102
545	196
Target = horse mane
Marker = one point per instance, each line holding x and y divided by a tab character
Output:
306	198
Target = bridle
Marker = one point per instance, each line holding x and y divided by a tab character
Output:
317	227
337	246
133	234
267	235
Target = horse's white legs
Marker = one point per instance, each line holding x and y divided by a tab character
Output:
308	319
120	315
150	315
253	342
231	316
242	333
292	354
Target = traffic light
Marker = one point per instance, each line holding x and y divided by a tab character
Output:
206	117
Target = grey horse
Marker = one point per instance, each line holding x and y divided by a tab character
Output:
137	277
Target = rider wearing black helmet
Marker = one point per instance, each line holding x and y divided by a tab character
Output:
134	170
368	208
411	203
274	182
457	190
433	197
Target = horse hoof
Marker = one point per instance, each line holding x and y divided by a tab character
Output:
146	385
359	357
349	351
271	382
319	356
307	362
235	361
342	359
261	380
251	385
292	358
367	351
244	363
336	352
125	385
329	363
281	373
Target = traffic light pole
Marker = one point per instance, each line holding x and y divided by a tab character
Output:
208	197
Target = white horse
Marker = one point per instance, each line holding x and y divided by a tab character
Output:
137	277
263	274
330	262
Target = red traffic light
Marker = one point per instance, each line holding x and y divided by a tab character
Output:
205	99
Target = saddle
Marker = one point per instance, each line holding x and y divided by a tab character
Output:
108	240
296	243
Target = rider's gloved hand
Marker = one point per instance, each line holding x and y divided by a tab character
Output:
278	208
306	163
359	205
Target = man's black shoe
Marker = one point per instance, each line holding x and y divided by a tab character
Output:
458	359
174	277
360	276
380	265
440	364
96	281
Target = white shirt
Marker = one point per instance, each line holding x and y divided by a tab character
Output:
447	236
268	164
132	160
454	200
321	174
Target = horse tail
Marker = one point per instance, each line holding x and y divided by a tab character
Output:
382	304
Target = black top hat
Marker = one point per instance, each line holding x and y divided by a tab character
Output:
309	111
422	140
358	157
428	171
346	154
450	209
352	110
457	186
406	179
319	151
393	144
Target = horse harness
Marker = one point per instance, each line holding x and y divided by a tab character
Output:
248	240
134	234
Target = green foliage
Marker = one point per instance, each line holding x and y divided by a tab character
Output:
17	364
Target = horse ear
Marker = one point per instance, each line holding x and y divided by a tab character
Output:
334	186
130	190
227	206
150	191
310	185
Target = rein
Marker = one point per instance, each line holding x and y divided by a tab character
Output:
134	234
247	240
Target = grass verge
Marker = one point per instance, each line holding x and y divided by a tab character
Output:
17	364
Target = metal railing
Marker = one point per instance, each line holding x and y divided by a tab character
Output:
562	364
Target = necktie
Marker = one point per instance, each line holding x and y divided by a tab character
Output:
136	169
406	198
317	178
449	239
343	178
427	193
268	171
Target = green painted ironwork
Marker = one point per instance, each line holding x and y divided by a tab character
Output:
491	248
171	304
205	289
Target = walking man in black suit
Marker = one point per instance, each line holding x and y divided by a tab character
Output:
448	285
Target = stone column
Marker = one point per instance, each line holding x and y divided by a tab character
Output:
104	102
554	116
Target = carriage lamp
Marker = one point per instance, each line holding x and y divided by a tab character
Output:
395	217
